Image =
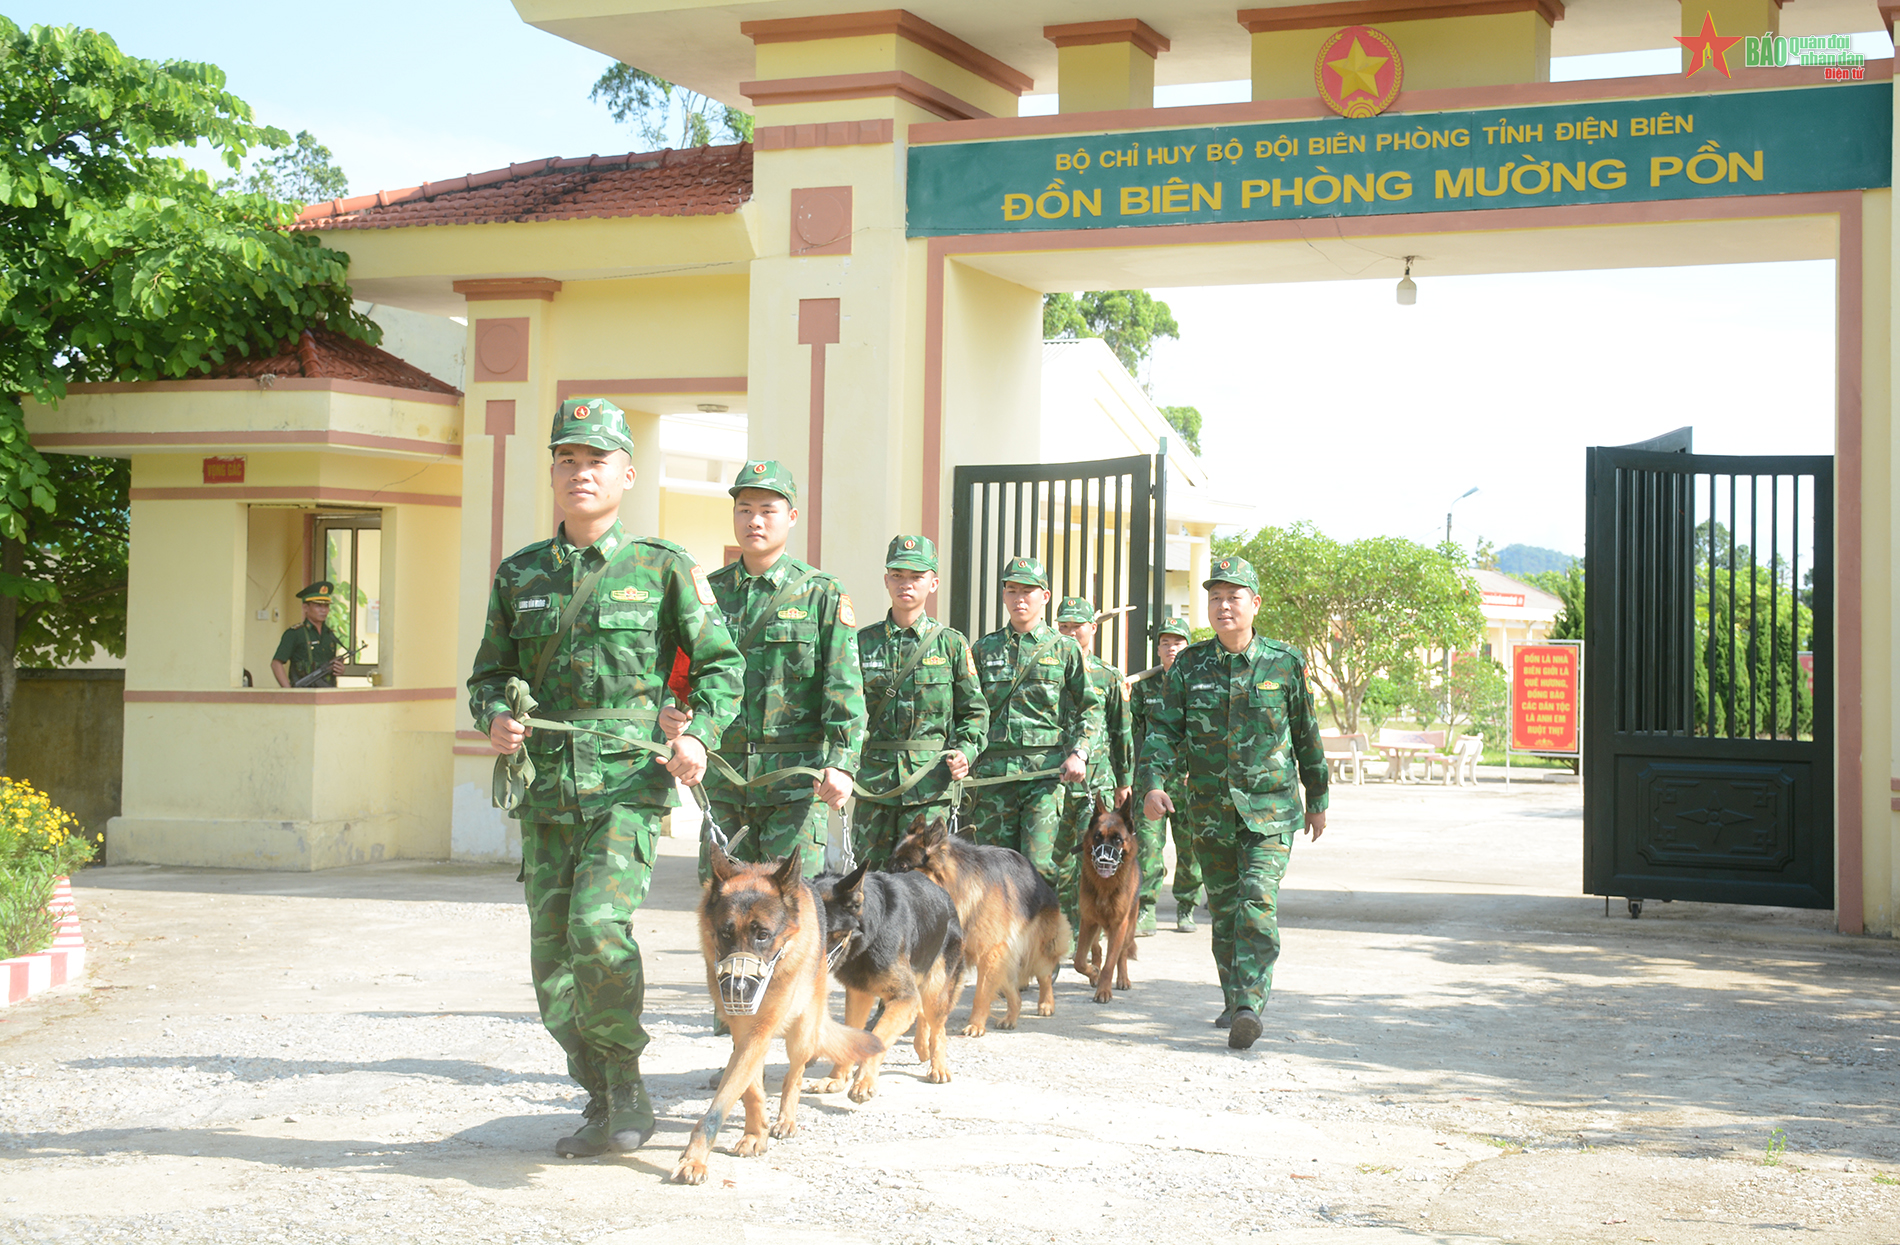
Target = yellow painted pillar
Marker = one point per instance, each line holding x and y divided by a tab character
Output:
506	504
836	328
1731	18
1508	43
191	564
1102	66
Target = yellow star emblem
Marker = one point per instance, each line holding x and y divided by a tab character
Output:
1358	73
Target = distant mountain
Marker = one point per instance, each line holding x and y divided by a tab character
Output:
1529	559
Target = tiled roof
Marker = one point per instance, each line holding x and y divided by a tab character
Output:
703	181
323	354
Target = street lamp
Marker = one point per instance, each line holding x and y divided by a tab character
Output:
1448	509
1447	684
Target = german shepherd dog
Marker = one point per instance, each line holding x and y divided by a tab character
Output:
762	934
1013	928
1110	900
892	936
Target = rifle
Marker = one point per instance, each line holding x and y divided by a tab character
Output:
310	680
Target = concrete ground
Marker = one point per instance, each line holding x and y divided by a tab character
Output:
1459	1048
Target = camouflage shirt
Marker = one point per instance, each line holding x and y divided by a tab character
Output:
1049	714
1239	727
652	604
1112	762
304	648
1144	701
939	700
804	694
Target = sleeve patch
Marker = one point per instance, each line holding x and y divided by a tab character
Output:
700	585
845	615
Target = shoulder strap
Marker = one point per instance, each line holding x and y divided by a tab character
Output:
904	672
780	599
1036	655
583	593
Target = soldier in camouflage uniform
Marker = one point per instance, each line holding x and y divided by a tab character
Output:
1145	698
1235	729
804	694
1111	759
922	698
593	807
1042	703
310	645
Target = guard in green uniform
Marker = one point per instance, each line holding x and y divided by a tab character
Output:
1111	759
804	694
1144	697
1042	707
591	622
310	645
921	698
1236	731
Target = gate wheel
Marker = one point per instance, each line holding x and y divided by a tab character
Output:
1636	908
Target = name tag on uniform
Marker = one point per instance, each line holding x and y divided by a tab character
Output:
1203	687
934	660
1050	661
532	603
1268	686
630	594
793	612
872	665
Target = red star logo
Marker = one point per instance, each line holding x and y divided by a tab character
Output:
1708	47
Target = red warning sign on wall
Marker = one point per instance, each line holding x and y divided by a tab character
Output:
1547	697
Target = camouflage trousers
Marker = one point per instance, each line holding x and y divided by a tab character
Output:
1023	816
877	829
583	883
777	831
1242	869
1153	837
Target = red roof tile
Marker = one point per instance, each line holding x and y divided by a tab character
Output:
322	354
703	181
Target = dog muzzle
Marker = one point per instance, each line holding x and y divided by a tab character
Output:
839	949
743	979
1107	858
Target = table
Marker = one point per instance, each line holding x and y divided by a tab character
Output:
1399	758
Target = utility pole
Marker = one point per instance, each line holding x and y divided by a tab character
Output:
1447	676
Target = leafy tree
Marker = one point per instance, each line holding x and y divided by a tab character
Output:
1358	609
653	105
1128	320
1185	420
1567	586
305	174
119	263
1478	694
1750	627
1485	558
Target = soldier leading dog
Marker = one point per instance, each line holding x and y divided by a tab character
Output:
1013	929
892	936
762	933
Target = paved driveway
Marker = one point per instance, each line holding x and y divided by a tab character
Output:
1459	1048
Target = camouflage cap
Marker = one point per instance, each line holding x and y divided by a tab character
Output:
317	593
910	553
1026	571
1174	626
769	474
1232	571
1076	610
590	421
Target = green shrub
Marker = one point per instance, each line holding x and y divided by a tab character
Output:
25	924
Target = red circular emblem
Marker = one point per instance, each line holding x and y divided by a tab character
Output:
580	412
1358	72
910	544
1224	564
758	469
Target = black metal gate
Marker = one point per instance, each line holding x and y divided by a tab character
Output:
1708	725
1098	526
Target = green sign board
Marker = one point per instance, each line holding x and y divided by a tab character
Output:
1617	151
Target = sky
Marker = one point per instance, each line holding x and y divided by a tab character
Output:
1492	382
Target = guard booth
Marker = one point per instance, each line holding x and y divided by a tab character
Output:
1708	727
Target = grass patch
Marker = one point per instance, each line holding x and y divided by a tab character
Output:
1776	1147
1884	1178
